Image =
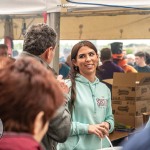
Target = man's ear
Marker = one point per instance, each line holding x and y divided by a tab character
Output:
51	48
48	52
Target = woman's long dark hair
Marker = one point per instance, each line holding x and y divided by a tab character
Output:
75	69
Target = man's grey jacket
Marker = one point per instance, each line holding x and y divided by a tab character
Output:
59	126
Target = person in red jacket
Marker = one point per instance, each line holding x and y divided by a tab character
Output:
28	101
119	58
124	65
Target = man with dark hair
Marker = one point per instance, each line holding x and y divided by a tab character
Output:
140	60
37	44
108	67
3	50
40	43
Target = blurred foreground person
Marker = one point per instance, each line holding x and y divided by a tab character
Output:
139	141
89	102
28	100
40	44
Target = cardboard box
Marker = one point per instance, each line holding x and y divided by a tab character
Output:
130	108
131	86
133	121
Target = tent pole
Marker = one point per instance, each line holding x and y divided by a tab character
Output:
8	34
54	22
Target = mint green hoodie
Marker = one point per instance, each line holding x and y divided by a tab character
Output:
92	106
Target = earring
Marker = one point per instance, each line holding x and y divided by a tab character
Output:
76	68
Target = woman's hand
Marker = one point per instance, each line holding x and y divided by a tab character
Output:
106	125
99	129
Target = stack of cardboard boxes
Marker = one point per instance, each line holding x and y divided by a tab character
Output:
130	97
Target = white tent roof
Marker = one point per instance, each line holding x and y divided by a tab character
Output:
29	6
36	6
101	5
100	22
105	19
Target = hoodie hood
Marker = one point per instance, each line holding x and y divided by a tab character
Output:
84	80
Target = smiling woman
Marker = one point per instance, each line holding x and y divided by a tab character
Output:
87	61
89	101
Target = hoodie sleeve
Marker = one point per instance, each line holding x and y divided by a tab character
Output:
109	115
79	128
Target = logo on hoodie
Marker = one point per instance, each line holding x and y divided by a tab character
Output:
101	101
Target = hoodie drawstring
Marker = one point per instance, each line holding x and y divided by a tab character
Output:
93	90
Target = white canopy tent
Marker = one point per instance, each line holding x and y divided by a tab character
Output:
29	6
81	19
101	5
32	6
106	19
